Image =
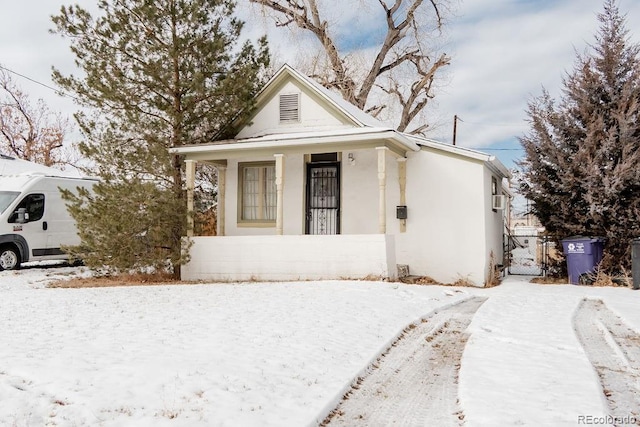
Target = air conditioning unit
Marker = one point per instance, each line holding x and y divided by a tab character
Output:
499	202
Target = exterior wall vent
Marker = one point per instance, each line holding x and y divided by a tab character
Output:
290	108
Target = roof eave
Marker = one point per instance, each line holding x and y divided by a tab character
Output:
294	142
491	161
496	166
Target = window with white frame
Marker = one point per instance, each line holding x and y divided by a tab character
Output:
257	192
494	192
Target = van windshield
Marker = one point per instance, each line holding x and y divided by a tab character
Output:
6	197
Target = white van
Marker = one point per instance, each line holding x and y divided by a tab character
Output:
34	220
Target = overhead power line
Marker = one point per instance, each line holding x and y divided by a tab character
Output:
494	124
57	91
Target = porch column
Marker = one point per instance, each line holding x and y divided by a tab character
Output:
402	180
190	169
279	194
222	189
382	189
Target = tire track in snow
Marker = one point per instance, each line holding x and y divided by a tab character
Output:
614	351
416	381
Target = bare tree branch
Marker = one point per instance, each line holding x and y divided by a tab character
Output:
400	56
31	131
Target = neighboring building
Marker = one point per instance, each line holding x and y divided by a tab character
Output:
526	220
528	247
313	188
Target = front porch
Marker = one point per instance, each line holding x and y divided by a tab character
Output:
285	257
371	167
301	207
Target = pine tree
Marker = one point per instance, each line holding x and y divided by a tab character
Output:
157	74
582	155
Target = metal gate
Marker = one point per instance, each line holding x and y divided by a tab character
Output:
323	198
529	255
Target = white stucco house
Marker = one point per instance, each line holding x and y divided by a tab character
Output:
313	188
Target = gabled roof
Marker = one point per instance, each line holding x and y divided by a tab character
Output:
367	130
356	115
363	129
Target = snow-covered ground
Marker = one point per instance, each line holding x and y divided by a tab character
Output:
280	354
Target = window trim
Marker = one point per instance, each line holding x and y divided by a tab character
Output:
241	222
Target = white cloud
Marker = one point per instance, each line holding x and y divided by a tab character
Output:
505	52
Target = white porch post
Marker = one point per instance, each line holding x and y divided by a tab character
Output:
190	169
222	190
279	194
382	189
402	180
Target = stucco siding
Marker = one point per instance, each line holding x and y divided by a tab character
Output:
361	192
494	224
451	229
445	226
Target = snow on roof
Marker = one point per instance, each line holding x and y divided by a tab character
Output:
13	166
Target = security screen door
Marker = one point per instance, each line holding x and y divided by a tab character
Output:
323	198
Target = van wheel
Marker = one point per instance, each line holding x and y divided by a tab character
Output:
9	258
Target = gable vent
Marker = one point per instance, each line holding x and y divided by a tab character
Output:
290	108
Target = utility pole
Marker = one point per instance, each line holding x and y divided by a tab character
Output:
455	126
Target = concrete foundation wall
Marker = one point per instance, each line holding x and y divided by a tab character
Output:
241	258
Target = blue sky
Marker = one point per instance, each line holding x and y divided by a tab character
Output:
503	52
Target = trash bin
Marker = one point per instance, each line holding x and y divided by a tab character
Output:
635	262
583	256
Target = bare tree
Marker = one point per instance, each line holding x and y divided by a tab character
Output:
401	66
31	131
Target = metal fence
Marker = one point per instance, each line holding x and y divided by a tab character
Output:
529	255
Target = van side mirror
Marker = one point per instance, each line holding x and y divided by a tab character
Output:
23	216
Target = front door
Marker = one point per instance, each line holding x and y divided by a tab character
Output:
323	198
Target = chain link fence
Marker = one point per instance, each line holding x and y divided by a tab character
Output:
530	255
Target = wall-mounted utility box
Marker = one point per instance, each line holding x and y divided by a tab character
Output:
401	212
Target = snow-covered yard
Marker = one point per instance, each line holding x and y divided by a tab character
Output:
280	354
